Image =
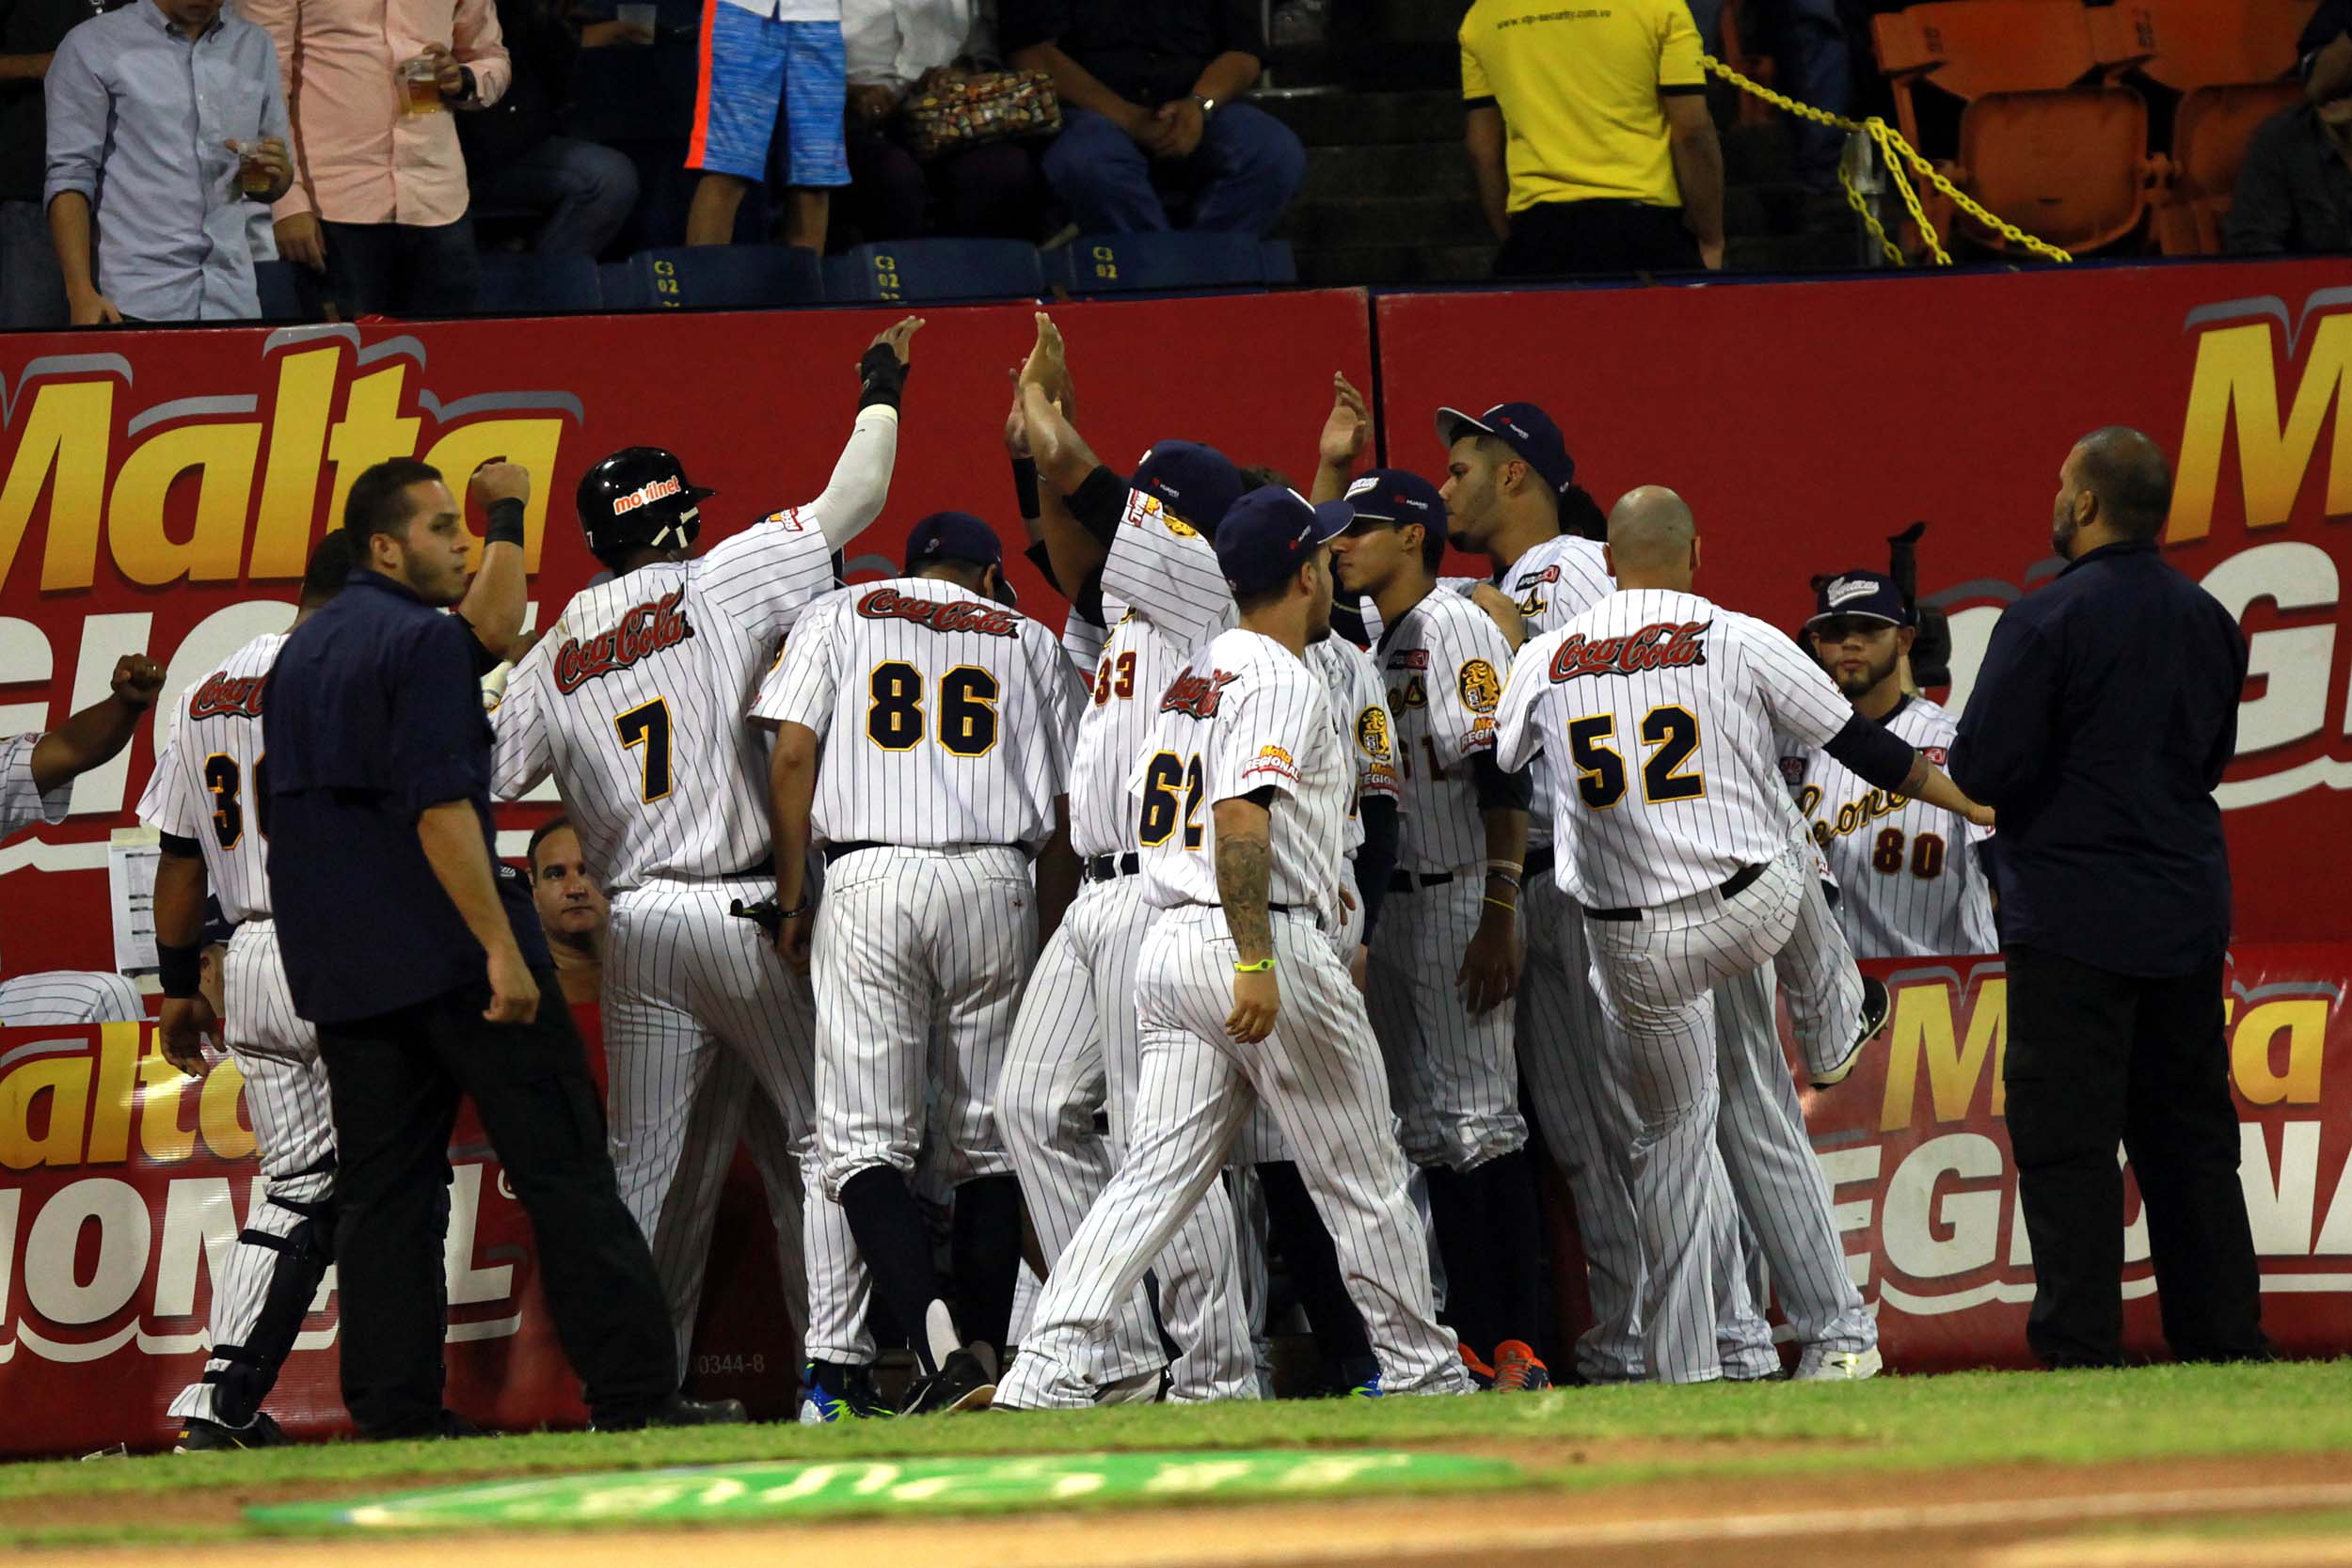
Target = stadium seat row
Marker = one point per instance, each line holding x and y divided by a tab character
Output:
2053	139
753	276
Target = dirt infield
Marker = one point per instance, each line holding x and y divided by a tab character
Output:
2009	1517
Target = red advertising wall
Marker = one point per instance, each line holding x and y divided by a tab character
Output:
159	491
1804	422
123	1184
1925	1190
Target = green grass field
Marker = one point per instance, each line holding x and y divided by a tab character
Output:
1576	1438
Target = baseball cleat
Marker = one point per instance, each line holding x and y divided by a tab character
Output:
1876	1004
1837	1365
966	1381
832	1393
1517	1370
198	1434
1480	1374
1357	1377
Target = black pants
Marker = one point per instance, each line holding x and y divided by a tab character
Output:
400	269
395	1080
1555	239
2096	1058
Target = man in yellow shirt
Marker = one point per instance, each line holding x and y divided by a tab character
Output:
1587	128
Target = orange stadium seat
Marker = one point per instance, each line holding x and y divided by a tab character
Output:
2204	43
2210	133
2068	166
2046	140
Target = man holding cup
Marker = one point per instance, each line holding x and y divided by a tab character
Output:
142	231
378	205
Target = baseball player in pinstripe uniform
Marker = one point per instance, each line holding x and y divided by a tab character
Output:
1160	596
1447	956
1910	886
1240	798
1658	709
37	773
634	701
204	798
945	718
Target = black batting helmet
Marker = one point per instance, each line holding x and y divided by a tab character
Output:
639	497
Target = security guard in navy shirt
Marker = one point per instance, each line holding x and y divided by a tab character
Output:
419	957
2102	718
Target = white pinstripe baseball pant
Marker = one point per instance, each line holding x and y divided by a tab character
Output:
1778	1184
1653	976
1455	1079
293	1129
1075	1045
920	960
1323	1075
1587	1121
698	1009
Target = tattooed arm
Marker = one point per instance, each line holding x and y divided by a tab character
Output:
1245	867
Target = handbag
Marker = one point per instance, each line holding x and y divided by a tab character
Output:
987	106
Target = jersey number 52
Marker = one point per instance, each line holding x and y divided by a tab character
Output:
1673	734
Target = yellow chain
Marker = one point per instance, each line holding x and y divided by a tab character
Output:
1896	153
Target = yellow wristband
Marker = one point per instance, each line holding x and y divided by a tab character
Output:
1261	967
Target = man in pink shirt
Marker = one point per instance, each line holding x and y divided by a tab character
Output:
380	198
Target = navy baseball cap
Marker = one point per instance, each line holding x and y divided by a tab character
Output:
1269	533
1198	484
1525	429
1861	595
957	536
1397	495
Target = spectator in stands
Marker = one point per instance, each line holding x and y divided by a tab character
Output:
153	112
32	290
2295	189
897	48
758	56
1146	86
518	160
1808	39
1613	164
379	199
573	910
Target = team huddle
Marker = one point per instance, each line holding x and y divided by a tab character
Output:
1182	932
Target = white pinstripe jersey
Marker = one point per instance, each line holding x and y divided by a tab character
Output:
945	717
1444	661
1553	584
1658	709
1163	596
22	804
1242	716
1353	683
207	784
1909	882
634	701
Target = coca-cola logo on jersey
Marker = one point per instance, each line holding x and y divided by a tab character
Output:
644	631
887	604
1197	695
1662	645
228	695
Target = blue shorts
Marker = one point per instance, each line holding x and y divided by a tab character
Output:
752	64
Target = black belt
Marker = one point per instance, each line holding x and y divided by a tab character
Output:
851	846
1736	884
1406	882
1109	868
1539	861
